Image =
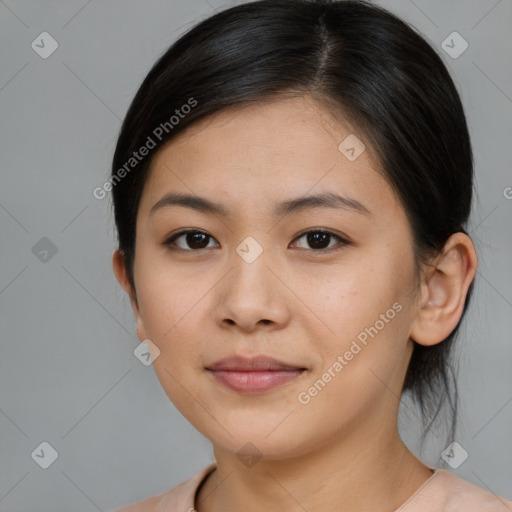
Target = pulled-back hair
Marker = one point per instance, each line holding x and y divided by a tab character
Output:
357	60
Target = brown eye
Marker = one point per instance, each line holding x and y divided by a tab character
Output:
192	240
195	240
319	240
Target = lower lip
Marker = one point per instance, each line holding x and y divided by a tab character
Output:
255	382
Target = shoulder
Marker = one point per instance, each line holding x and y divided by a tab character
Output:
180	497
446	492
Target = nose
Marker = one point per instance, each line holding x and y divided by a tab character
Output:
252	295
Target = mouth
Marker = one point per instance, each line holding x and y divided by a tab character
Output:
253	375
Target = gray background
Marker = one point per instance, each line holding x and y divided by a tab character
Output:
68	373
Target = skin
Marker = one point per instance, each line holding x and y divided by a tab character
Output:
342	450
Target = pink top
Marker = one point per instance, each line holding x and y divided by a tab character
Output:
442	492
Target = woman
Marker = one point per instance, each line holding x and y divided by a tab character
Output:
291	187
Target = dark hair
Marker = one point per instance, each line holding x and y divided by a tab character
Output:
357	60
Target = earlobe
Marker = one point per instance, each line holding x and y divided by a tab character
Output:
444	291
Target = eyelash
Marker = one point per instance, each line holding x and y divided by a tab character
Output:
173	237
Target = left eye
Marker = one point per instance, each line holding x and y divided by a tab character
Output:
318	240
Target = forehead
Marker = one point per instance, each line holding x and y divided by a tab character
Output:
256	155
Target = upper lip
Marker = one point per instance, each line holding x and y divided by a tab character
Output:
257	363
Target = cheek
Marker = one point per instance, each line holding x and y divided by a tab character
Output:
168	298
175	309
366	319
168	312
359	369
349	298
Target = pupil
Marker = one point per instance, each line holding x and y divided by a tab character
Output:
316	239
193	238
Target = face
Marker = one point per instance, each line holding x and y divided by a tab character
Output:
326	288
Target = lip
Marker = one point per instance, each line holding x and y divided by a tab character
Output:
251	375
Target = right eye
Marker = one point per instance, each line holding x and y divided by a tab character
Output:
195	239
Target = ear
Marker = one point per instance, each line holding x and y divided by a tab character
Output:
119	266
444	290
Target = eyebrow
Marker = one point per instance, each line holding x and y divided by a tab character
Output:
299	204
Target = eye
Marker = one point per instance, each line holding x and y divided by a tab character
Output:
319	239
194	238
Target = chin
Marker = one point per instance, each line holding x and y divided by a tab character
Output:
262	440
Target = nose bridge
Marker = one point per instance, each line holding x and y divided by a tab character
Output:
250	260
251	291
250	250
